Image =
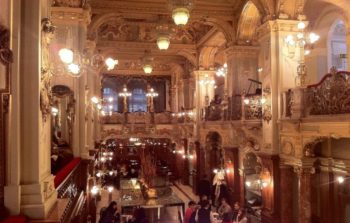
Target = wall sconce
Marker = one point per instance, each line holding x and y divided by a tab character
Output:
110	189
265	178
248	183
94	190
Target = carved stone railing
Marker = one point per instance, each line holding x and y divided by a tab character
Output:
141	118
331	96
115	118
252	109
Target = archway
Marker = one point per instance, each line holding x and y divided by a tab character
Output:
336	45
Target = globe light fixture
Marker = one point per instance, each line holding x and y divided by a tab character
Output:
66	55
110	63
181	16
94	100
54	111
147	68
163	42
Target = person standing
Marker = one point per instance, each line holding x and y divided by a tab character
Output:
241	217
204	214
204	187
190	212
110	214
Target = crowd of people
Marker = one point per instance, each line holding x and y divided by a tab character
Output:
203	212
112	215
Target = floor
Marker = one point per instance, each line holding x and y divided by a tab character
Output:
171	213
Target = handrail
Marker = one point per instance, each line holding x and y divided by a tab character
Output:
63	175
327	76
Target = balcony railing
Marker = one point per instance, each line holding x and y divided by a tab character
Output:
331	96
147	118
246	107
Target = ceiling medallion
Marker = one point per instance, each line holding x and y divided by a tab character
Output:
181	11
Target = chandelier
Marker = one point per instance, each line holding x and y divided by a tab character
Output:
222	71
181	11
76	63
147	63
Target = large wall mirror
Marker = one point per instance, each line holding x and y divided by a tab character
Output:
62	120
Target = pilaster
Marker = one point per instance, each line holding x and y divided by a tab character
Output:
38	194
242	63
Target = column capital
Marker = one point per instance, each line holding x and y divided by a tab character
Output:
201	74
241	51
281	25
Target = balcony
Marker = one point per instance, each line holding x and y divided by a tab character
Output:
239	108
328	99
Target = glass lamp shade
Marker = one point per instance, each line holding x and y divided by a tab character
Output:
163	42
181	16
110	63
147	68
74	69
66	55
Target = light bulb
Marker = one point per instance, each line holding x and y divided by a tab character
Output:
54	111
215	171
74	68
314	37
94	190
228	170
99	174
181	16
307	52
248	183
163	42
110	99
264	184
263	100
110	173
147	68
110	189
94	100
246	101
110	63
66	55
301	25
340	179
99	106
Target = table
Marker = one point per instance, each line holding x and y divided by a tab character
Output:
133	198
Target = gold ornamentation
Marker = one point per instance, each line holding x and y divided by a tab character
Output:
331	95
47	33
309	147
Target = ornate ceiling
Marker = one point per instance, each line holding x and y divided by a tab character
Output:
125	29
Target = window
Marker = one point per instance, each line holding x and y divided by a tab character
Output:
138	101
107	93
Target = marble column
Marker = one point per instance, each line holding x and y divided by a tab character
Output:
304	193
38	194
286	198
173	98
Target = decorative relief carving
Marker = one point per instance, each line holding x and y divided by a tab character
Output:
6	56
47	33
69	3
309	146
123	29
287	148
331	95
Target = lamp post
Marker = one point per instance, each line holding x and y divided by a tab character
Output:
151	94
125	94
301	40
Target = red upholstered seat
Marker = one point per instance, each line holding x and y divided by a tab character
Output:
65	171
15	219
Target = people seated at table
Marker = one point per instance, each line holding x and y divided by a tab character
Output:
110	214
241	217
225	211
190	212
139	216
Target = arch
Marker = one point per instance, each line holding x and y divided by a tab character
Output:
226	28
98	21
207	57
249	21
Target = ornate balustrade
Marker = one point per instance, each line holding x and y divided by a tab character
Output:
147	118
331	96
247	107
70	184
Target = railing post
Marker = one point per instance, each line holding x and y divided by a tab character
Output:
243	108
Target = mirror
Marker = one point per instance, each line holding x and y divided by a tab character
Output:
62	116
